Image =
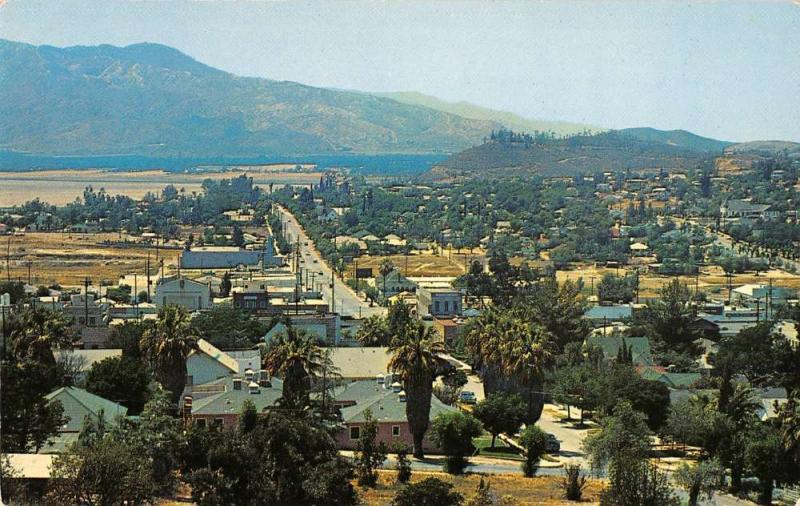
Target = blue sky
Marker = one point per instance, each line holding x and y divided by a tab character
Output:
729	70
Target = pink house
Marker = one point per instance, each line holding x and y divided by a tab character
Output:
387	403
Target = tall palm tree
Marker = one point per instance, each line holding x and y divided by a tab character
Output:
35	332
512	354
526	351
385	269
167	344
295	357
415	356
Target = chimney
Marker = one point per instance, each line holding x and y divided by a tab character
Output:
253	387
263	374
397	387
187	405
237	383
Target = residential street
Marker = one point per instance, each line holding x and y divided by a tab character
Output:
345	301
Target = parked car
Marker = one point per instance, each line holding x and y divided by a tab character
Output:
468	397
553	445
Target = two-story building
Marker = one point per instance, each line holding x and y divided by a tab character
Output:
439	302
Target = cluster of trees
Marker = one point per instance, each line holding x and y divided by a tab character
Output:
586	381
164	211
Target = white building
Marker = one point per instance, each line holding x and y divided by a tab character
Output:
190	294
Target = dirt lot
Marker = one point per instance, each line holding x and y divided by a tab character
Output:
711	279
68	258
423	265
542	490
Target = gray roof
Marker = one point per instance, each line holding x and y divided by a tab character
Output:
743	206
385	404
358	362
610	313
230	401
87	358
78	403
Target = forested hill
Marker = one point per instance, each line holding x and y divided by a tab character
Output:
509	153
148	99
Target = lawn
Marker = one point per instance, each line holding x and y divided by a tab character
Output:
501	449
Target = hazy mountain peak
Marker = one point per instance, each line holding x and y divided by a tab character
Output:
152	99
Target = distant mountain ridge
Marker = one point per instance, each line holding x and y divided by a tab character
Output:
149	99
507	119
677	138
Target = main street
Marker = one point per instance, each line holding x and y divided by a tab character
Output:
341	297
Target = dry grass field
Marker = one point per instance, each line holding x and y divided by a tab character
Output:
422	265
67	258
541	490
711	279
61	187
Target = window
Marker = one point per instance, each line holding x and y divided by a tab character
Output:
219	422
395	431
436	306
355	432
447	306
200	422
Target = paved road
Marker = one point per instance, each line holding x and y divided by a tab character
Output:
346	302
571	439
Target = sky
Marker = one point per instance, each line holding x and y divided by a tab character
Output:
729	70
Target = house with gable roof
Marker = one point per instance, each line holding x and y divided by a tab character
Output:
78	404
208	363
385	399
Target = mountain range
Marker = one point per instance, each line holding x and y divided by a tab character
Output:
151	100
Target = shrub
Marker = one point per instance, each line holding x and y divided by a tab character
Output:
453	432
403	465
533	441
573	483
428	492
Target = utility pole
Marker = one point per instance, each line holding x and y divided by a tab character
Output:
769	300
147	268
333	299
5	335
8	259
29	263
86	283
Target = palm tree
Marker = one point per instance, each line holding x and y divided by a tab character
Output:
34	334
297	359
373	332
415	357
167	344
526	350
385	269
512	354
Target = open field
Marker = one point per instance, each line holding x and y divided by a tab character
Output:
66	259
711	279
422	265
541	490
61	187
